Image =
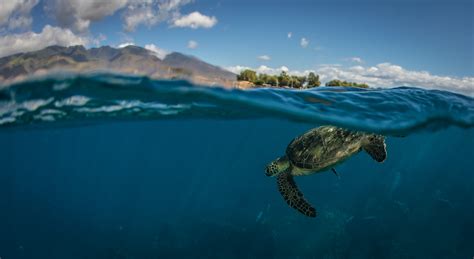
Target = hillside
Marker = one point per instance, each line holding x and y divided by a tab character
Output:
130	60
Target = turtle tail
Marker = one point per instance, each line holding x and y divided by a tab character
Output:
293	196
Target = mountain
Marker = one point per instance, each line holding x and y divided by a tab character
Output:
198	66
130	60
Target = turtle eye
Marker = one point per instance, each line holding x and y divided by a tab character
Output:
269	168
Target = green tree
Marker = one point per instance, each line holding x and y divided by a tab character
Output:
272	80
247	75
302	80
362	85
296	81
263	78
284	79
313	80
345	83
259	82
334	82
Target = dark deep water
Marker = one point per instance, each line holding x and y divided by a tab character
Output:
109	185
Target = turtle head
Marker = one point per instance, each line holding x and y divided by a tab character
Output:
277	166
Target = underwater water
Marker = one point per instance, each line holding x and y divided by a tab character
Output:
108	166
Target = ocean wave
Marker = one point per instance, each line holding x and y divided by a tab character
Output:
103	97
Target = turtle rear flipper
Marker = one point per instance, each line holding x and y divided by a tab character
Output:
293	196
376	148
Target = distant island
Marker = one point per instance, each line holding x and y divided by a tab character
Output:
249	78
140	61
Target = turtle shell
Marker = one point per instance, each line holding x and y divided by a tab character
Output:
320	147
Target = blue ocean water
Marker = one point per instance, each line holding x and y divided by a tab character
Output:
107	166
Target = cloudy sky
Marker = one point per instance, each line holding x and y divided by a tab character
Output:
428	43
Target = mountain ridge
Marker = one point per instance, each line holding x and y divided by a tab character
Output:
129	60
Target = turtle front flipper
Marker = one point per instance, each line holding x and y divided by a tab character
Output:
293	196
376	148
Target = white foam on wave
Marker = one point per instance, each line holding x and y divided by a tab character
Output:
33	105
76	100
52	112
7	120
61	86
110	108
10	111
136	106
45	117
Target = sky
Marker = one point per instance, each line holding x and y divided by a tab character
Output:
383	43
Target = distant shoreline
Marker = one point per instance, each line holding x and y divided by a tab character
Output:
250	79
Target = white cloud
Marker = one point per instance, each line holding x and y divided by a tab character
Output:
388	75
356	60
152	12
261	70
237	69
30	41
101	37
289	35
15	14
97	41
264	58
304	42
271	71
157	51
195	20
20	22
125	44
381	75
192	44
78	14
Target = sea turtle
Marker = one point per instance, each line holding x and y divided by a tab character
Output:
318	150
